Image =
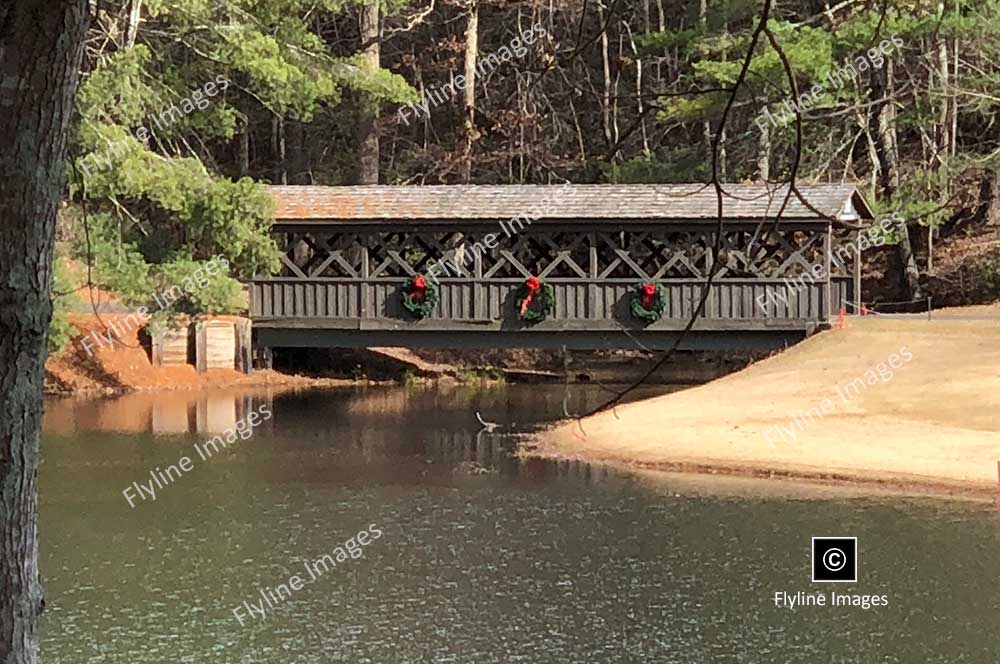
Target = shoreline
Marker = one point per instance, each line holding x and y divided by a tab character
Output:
708	469
124	367
922	413
272	380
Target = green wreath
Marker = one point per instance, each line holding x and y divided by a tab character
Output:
649	291
535	300
419	305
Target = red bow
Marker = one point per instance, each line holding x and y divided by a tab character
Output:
418	289
648	292
532	284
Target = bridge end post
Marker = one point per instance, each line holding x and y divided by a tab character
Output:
827	312
263	357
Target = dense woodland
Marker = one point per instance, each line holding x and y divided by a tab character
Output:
186	105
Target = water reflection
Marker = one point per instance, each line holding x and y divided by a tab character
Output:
367	423
161	413
495	453
487	558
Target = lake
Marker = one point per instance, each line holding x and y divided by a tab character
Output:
481	557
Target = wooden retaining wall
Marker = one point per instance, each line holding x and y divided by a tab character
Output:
209	343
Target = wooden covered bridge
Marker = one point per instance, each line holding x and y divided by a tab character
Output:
351	255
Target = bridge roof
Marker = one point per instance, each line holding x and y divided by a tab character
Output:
579	202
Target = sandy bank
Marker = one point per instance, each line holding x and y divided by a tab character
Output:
897	402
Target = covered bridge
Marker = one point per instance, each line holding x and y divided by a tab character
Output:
353	255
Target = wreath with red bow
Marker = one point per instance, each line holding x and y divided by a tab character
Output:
535	300
649	300
419	296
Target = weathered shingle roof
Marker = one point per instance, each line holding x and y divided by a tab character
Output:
560	202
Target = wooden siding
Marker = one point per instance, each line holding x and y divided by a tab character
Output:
476	301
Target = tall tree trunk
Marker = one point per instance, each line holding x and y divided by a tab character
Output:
134	16
944	125
911	274
722	130
947	137
661	26
471	54
615	134
764	154
41	43
954	100
279	150
884	145
706	126
244	147
764	144
299	163
606	70
368	161
640	106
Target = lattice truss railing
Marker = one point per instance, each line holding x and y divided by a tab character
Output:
768	254
634	254
842	255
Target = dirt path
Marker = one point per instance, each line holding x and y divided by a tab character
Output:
888	401
414	362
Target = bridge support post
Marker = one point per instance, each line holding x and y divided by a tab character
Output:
479	289
826	311
244	345
263	357
593	270
857	272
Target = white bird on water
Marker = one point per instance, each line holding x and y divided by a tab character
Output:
488	426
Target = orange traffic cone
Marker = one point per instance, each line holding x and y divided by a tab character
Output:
841	318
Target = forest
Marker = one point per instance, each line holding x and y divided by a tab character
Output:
186	107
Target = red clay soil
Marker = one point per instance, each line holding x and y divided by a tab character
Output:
127	366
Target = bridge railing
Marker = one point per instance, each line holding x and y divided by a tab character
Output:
492	302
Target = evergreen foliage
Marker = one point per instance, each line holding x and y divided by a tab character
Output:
156	122
275	91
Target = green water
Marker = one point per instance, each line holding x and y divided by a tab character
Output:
527	562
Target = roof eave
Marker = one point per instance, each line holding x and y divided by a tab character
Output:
861	206
541	220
